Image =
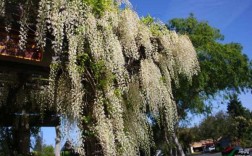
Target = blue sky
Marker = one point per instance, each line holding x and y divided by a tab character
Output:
232	17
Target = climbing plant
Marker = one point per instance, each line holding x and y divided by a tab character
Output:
110	70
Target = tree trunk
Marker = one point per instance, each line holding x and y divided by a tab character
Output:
25	134
21	134
171	152
57	140
180	149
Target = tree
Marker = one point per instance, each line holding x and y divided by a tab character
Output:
41	149
235	108
8	142
186	136
241	121
215	126
46	150
236	128
38	144
218	62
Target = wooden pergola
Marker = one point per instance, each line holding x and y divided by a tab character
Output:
30	67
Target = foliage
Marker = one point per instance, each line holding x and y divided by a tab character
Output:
226	125
41	149
38	144
47	150
218	62
200	32
235	108
241	130
99	6
156	27
215	126
241	121
7	140
111	71
186	136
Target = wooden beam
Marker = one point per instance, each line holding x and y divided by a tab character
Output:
22	67
34	120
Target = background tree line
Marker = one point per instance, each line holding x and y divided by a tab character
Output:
235	124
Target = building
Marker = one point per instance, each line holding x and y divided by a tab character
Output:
201	145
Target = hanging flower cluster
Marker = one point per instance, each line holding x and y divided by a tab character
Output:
2	8
112	71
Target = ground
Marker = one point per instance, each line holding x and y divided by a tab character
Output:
210	154
214	154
